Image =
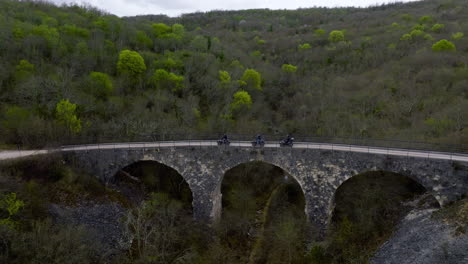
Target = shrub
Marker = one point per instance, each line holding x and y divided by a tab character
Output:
443	45
289	68
101	84
336	36
241	99
252	78
65	113
131	62
437	27
224	77
457	36
304	46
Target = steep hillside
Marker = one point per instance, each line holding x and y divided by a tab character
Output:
379	72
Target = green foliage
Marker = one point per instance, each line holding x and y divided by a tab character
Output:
160	29
319	32
241	99
288	68
443	45
178	29
14	118
304	46
101	84
130	62
10	204
200	43
143	39
167	80
437	27
51	243
426	19
65	113
73	30
24	69
419	27
406	17
224	77
439	127
416	33
49	33
252	79
406	37
457	36
336	36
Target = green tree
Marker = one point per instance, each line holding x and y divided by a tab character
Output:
160	29
224	77
178	29
252	79
163	79
24	69
319	32
437	27
304	46
289	68
65	113
457	36
143	40
241	99
130	62
336	36
10	205
425	19
101	84
443	45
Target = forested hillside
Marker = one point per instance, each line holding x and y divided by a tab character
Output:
397	71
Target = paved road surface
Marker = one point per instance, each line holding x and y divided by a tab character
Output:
5	155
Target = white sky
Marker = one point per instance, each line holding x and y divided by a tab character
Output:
177	7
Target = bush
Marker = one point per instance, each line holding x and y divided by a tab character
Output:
289	68
443	45
457	36
336	36
131	62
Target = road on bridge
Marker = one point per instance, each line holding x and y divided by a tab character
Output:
6	155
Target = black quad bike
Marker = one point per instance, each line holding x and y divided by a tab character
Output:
287	142
259	141
224	141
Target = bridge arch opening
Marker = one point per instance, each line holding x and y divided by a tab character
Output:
141	178
263	213
367	207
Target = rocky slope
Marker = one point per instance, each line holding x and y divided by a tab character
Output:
428	236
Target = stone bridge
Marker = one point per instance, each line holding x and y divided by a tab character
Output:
318	170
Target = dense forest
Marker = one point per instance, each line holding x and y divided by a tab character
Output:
396	71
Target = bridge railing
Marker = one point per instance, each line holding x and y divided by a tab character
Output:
198	139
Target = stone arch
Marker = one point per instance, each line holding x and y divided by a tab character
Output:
287	172
160	162
162	178
348	177
414	177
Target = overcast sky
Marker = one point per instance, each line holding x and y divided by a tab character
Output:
177	7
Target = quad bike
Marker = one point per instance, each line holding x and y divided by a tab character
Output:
258	142
287	142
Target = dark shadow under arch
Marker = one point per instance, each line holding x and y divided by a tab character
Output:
143	177
367	208
260	202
